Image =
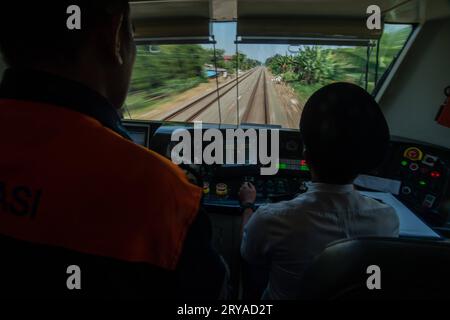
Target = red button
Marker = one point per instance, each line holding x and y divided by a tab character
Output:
435	174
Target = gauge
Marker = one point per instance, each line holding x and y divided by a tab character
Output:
292	145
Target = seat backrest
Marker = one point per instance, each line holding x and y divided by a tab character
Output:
408	269
30	270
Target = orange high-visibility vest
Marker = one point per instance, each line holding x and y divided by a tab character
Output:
67	181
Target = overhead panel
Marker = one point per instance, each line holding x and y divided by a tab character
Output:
171	21
296	20
303	21
223	10
330	31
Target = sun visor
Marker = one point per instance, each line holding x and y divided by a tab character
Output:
172	31
306	31
171	21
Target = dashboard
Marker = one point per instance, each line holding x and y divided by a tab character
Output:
420	172
423	173
221	183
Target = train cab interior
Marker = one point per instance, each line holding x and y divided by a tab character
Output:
253	64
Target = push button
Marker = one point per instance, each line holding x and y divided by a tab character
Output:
406	190
429	200
413	153
221	189
429	160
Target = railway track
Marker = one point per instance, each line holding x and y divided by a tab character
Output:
257	110
193	109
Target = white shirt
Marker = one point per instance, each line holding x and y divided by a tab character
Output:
287	236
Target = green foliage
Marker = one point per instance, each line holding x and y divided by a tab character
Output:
155	70
242	62
310	65
280	64
160	72
315	66
170	69
150	99
290	76
167	70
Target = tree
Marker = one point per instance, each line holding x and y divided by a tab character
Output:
241	61
310	65
314	65
280	64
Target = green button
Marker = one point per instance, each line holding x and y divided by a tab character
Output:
404	163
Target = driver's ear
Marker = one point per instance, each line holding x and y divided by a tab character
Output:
117	28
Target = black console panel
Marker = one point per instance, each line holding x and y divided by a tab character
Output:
423	172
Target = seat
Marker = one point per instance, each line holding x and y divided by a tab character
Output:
409	269
29	270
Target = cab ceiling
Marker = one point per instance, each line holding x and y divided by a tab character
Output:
180	19
394	11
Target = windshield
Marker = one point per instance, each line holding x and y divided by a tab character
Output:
256	84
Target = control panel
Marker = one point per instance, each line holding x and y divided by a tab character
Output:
421	170
424	174
221	185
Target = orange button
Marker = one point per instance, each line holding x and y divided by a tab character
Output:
221	189
413	153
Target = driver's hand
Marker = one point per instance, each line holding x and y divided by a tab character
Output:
247	193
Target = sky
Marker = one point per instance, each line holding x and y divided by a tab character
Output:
225	35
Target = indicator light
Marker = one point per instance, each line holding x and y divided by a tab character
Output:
282	166
404	163
303	165
435	174
414	154
422	183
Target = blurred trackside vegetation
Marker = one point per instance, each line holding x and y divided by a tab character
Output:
161	72
313	66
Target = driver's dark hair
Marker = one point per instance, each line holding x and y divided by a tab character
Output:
344	132
35	31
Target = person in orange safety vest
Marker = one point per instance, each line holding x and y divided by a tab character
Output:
74	188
